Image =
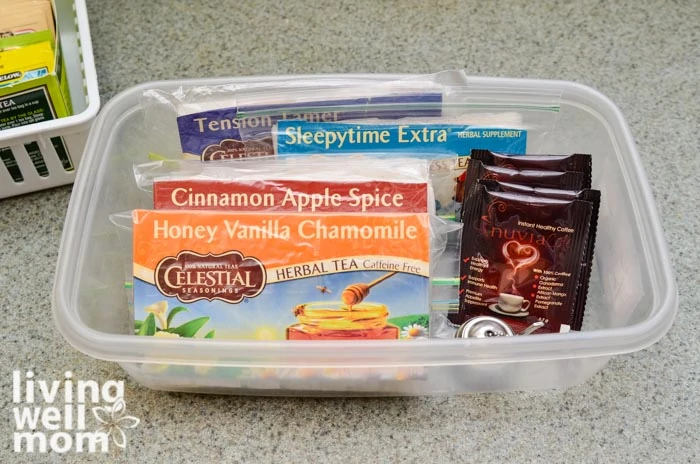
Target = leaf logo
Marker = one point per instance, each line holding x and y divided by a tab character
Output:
114	421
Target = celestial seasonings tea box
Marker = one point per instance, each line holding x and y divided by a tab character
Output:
296	272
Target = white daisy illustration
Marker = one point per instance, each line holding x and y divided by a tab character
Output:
114	421
413	331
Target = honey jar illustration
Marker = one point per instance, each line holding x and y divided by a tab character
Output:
334	320
352	318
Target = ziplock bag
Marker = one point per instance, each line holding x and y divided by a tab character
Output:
312	184
424	137
204	116
513	121
183	258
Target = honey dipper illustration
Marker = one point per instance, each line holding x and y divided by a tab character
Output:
355	293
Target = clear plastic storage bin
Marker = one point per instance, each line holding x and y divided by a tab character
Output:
632	299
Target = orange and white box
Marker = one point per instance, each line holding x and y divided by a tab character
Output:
281	275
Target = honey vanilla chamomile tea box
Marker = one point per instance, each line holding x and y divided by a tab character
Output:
327	277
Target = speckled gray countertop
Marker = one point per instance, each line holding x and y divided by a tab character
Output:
642	407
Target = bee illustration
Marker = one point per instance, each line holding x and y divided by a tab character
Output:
323	289
299	309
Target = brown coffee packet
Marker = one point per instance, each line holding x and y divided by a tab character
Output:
521	259
587	267
498	186
567	180
592	196
578	162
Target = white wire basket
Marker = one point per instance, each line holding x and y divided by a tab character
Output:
46	154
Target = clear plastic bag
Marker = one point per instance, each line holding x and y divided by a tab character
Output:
234	120
186	113
357	184
364	257
514	121
427	137
275	284
424	100
239	121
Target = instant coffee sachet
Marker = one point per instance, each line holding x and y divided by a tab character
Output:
592	196
578	162
521	258
568	180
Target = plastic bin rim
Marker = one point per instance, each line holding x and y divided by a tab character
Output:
609	341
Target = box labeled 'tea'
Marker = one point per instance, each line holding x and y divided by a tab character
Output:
33	82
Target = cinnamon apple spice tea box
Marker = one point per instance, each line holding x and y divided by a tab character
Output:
356	184
290	195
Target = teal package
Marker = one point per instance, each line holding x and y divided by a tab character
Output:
299	138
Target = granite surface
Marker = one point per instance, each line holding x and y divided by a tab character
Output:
642	407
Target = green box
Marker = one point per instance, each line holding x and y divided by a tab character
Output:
33	83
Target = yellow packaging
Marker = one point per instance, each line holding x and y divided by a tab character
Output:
33	84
